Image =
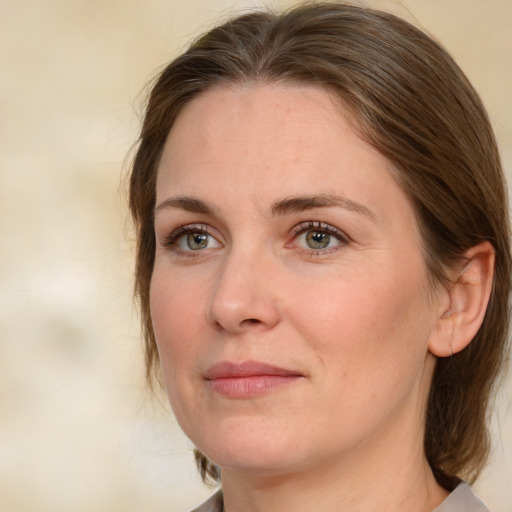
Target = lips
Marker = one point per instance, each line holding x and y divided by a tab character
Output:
248	379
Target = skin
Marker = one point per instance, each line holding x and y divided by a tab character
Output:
353	319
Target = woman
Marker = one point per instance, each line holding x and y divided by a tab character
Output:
323	262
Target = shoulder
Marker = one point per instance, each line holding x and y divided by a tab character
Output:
461	499
213	504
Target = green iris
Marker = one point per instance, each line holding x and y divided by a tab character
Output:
196	241
317	239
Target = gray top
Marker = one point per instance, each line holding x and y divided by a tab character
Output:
214	503
461	499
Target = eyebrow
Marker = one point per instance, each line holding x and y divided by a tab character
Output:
302	203
188	204
293	204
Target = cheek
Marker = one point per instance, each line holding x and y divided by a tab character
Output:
177	327
368	330
175	318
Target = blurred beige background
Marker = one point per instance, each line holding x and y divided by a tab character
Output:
78	429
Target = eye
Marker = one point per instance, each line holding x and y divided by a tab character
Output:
196	241
318	237
191	238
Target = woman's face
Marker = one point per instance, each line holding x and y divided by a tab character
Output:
289	297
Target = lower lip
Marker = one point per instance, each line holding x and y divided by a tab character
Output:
250	386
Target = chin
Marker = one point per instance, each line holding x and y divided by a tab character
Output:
248	448
260	464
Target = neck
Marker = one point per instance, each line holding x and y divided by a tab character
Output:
389	486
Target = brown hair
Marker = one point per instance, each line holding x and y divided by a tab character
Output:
411	102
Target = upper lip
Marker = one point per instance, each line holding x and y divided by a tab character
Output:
227	369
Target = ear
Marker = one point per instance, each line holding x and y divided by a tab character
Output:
462	313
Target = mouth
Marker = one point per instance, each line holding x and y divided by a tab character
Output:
248	379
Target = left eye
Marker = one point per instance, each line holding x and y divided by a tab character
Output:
315	239
316	236
196	241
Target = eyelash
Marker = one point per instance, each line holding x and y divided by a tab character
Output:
171	240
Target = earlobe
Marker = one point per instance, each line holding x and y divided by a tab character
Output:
468	297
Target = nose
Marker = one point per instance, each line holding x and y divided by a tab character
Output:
244	295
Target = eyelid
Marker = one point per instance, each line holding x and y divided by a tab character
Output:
320	226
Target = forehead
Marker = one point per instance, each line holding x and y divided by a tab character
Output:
279	140
264	115
253	126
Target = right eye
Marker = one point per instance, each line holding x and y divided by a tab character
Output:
196	241
191	238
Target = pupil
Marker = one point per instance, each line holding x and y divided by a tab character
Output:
197	241
317	239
